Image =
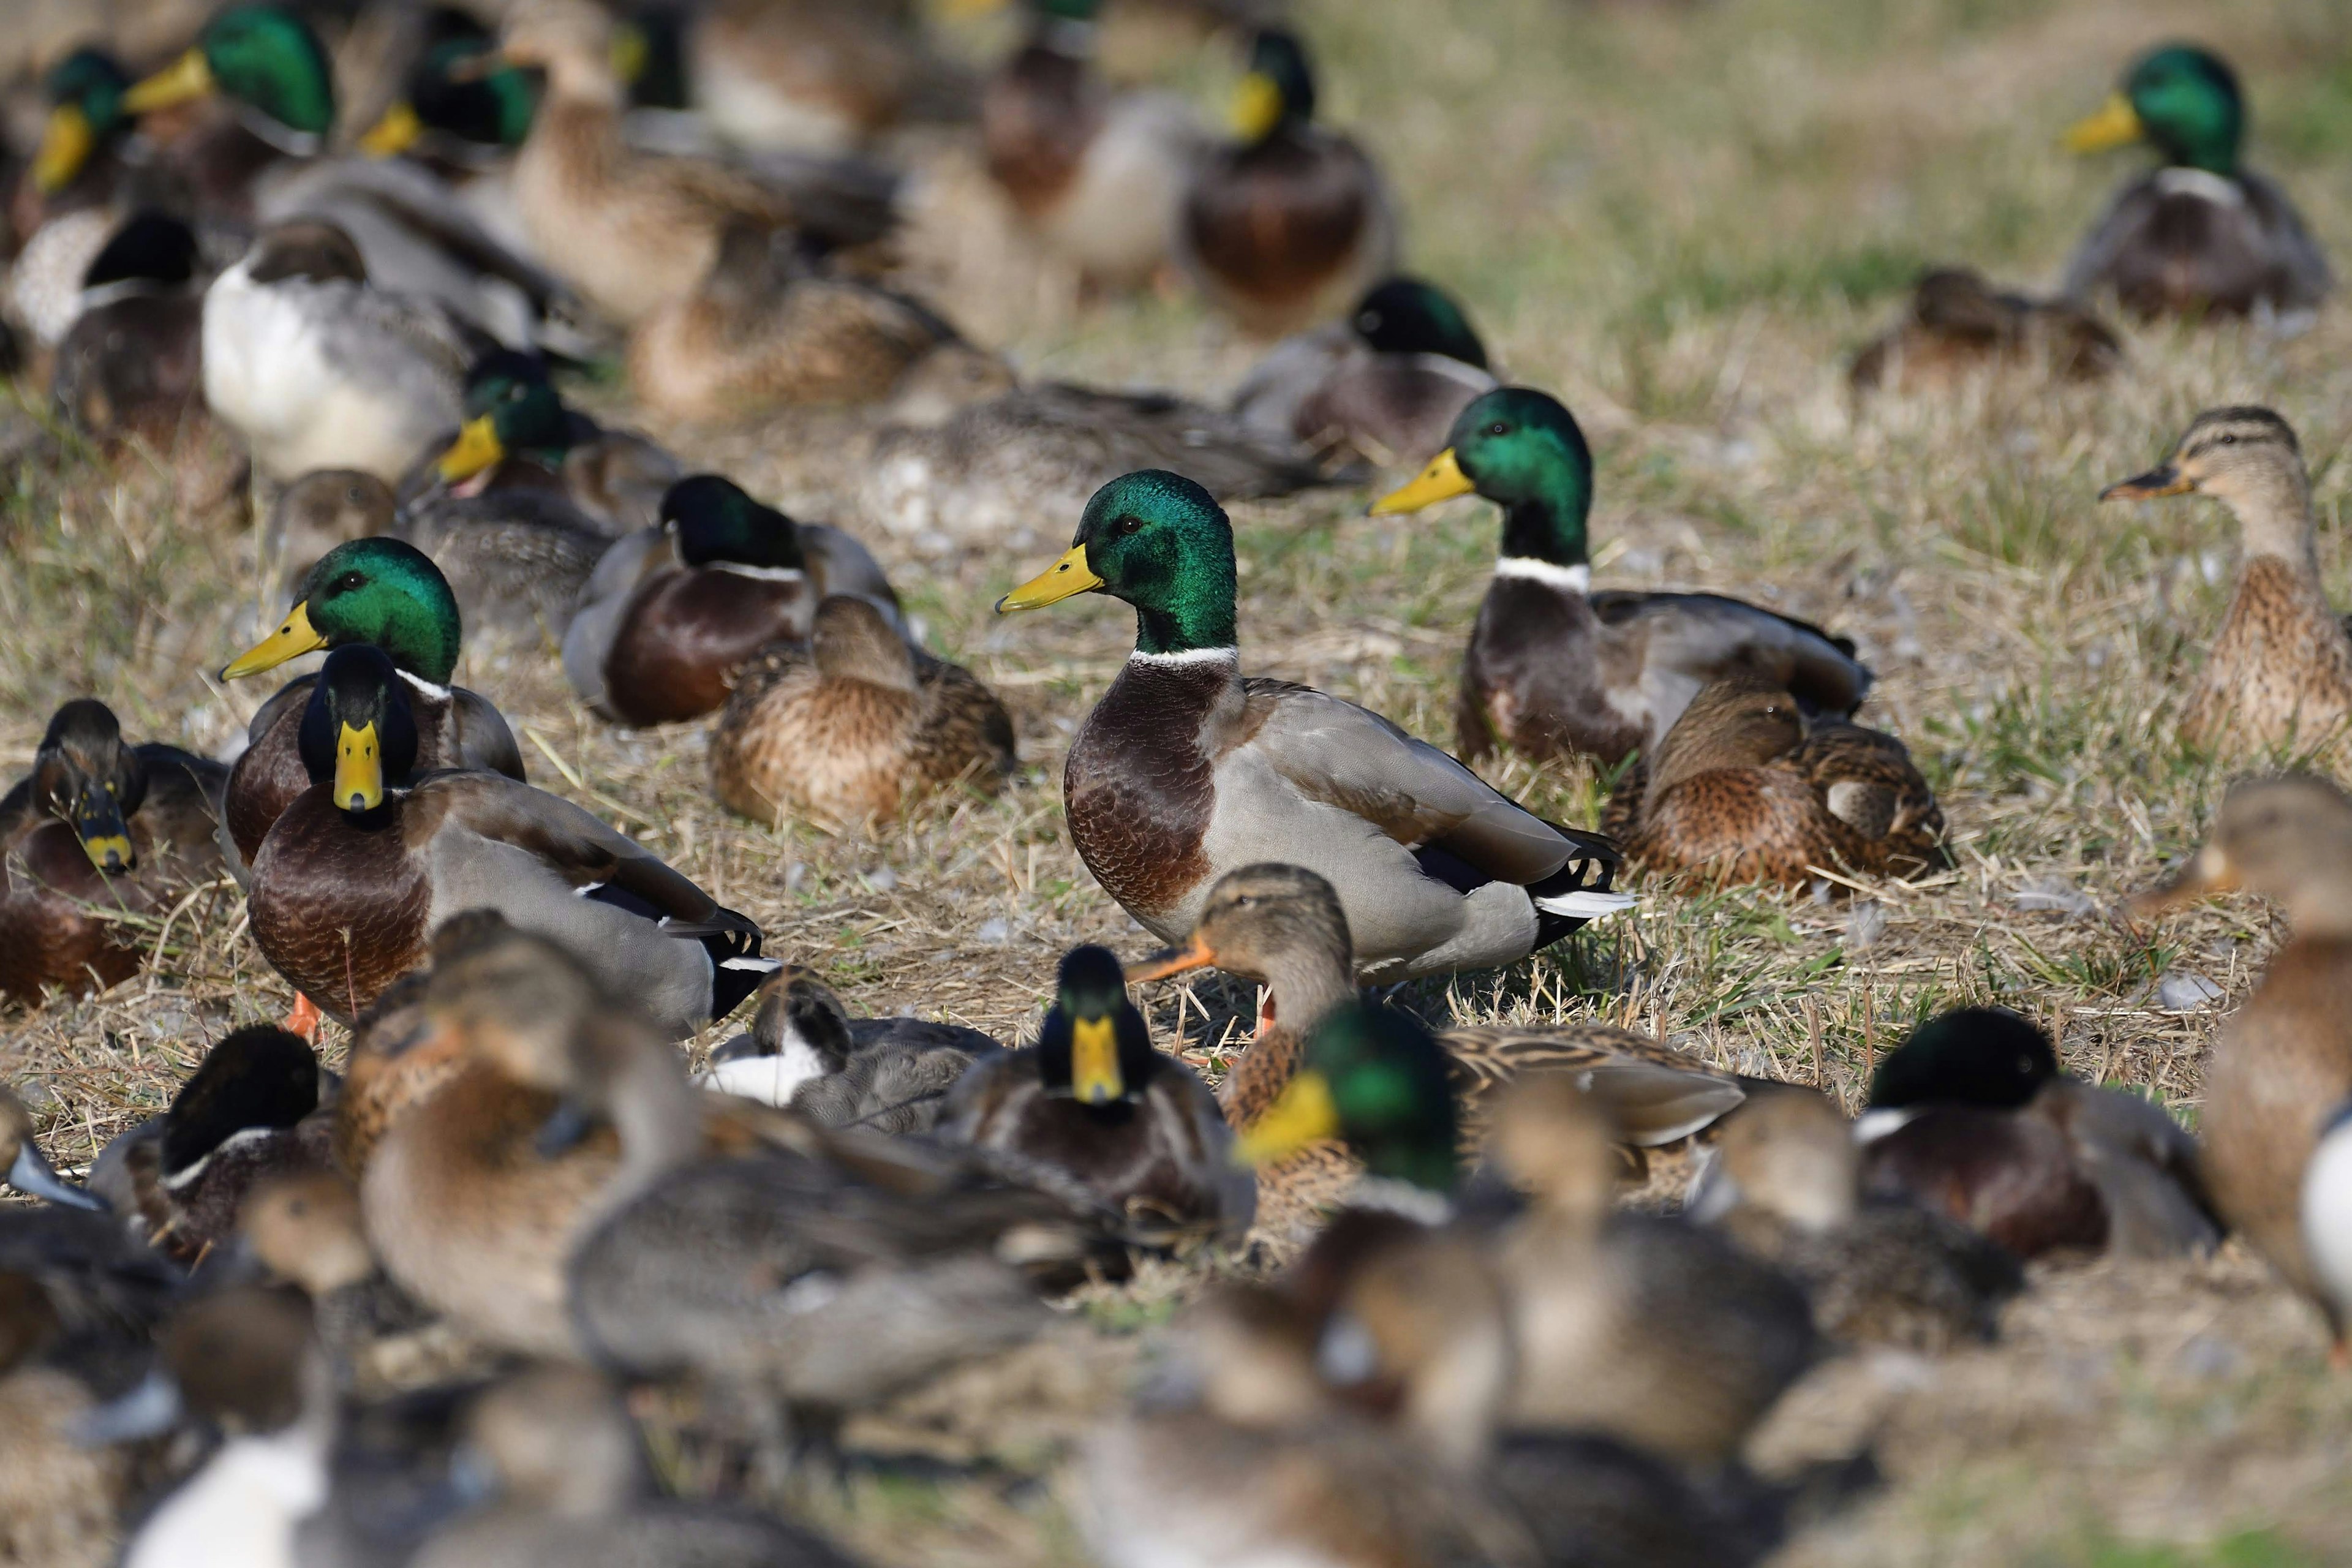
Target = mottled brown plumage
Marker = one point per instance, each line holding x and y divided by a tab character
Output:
1960	325
854	725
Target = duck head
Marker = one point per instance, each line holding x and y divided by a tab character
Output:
358	733
307	1228
1521	449
572	42
258	1077
714	523
151	249
460	87
1787	1154
1553	1142
2248	459
510	406
1094	1047
1281	925
1373	1077
85	776
851	639
85	91
2288	839
22	1165
264	57
1411	316
2183	99
1738	721
1985	1057
383	591
1278	90
1161	543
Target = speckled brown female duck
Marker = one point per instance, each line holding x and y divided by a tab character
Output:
1744	790
1554	669
854	725
1958	325
98	825
2280	672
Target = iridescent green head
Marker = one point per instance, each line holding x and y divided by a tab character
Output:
1162	543
381	591
523	406
450	91
264	56
716	524
1410	316
1279	89
1521	449
1375	1077
2182	98
85	91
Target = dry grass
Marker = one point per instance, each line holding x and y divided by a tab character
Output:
1683	220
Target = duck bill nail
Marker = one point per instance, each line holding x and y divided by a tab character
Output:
34	1177
1094	1062
65	144
394	134
1304	1115
186	79
1167	960
1442	479
1257	107
477	448
292	640
2116	124
2208	874
359	769
2164	481
1064	579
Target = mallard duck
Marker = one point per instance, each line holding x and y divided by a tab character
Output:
316	370
814	75
674	611
2284	1057
384	593
1096	173
1185	770
1555	668
1784	1180
362	864
2203	233
1386	383
306	1228
133	360
1291	221
459	105
1970	1117
519	434
1094	1099
98	827
1744	789
805	1052
854	725
1960	325
269	89
2280	672
87	121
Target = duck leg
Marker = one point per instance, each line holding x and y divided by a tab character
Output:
305	1018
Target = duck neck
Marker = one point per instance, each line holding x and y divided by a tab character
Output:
2273	513
1194	628
1543	538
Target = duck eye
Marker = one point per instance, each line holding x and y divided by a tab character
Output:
350	583
1131	525
1499	428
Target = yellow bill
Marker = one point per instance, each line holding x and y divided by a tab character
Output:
2208	872
292	640
1441	481
960	9
477	448
394	134
2116	124
629	53
359	769
105	836
1064	579
2167	480
65	144
184	80
1094	1061
1305	1114
1167	960
1257	107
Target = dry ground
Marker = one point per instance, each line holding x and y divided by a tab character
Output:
1683	221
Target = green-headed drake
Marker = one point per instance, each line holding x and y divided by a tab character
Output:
1186	770
385	592
86	119
1555	668
2202	233
274	88
460	105
64	211
376	852
519	434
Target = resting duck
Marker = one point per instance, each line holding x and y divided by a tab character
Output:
520	434
1096	173
1386	384
1744	789
1094	1099
1970	1118
1185	770
675	610
369	860
75	165
1287	224
381	591
98	825
805	1052
854	725
1554	669
2284	1062
818	76
2203	234
2280	672
269	88
1960	325
133	360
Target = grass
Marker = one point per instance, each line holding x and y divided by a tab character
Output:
1683	220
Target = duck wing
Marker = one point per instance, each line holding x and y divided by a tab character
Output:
1691	639
1656	1093
483	737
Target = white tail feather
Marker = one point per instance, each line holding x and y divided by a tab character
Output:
1591	905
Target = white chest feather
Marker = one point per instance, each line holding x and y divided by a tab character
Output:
240	1510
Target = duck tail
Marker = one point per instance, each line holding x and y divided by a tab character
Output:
1579	892
737	965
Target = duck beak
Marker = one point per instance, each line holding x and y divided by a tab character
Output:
2116	124
1305	1114
394	134
1095	1078
65	144
629	53
1194	954
359	769
1441	481
186	79
1064	579
2167	480
36	1178
962	9
1257	107
477	448
2208	872
105	836
292	640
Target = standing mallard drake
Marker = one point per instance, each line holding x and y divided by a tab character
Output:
384	593
1186	770
97	827
855	724
1386	384
1096	173
1744	789
2203	234
371	859
1285	226
1960	325
2280	672
1553	668
520	433
673	610
1093	1099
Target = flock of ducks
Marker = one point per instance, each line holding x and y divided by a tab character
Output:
396	1311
